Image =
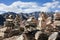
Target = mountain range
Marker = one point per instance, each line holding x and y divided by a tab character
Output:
23	15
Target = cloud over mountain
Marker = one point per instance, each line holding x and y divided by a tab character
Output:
27	7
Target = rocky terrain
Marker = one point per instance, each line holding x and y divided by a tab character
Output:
32	26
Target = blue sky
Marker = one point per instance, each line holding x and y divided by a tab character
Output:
8	2
28	6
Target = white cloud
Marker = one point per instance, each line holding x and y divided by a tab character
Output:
51	6
59	6
57	10
28	7
20	7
